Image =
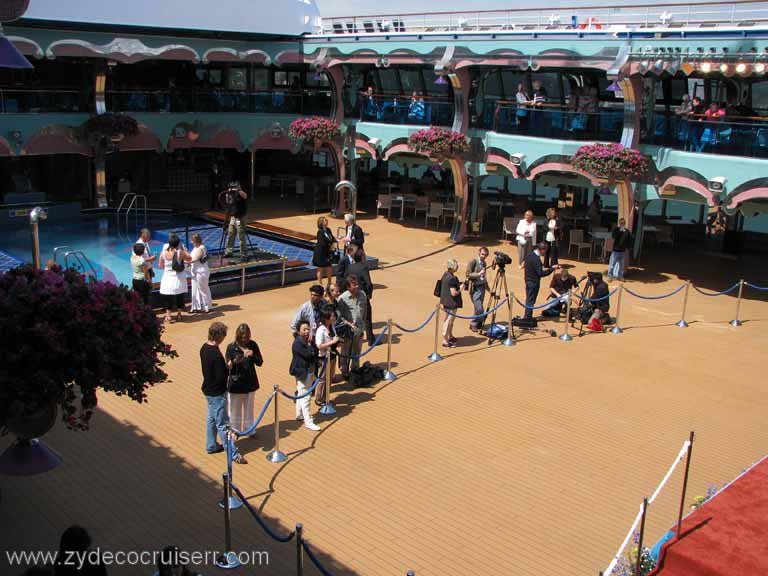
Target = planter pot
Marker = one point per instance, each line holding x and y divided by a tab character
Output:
26	426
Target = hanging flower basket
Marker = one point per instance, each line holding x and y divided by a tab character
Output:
438	142
610	162
314	130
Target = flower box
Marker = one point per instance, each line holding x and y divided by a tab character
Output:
314	129
438	142
610	162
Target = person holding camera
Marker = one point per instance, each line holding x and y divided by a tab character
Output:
526	237
477	284
600	302
622	241
201	292
243	355
303	362
235	200
534	272
324	251
326	341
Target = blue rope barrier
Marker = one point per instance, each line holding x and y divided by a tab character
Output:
636	295
756	287
314	559
728	291
420	326
476	316
260	521
547	304
598	299
307	393
370	349
253	426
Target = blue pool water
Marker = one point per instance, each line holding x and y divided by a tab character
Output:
107	242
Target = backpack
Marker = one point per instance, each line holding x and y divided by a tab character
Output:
177	265
365	375
204	257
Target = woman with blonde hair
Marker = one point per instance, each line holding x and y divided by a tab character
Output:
201	293
325	247
243	355
450	299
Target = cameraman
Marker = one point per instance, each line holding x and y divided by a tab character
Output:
600	302
561	284
534	272
477	284
235	201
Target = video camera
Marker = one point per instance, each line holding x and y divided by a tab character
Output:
501	259
229	196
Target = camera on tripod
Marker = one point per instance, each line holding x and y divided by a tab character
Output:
594	277
229	196
501	259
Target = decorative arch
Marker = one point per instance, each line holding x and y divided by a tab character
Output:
55	139
5	148
499	157
144	139
27	46
362	144
124	50
198	135
756	189
685	178
225	54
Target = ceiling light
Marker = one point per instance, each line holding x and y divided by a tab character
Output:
723	68
759	67
741	68
706	67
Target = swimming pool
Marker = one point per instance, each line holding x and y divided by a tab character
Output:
107	241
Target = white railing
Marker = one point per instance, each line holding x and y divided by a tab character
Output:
672	15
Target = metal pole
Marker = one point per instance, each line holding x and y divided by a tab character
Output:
565	337
640	540
389	376
227	560
35	215
282	276
299	550
242	281
276	456
510	339
736	322
234	501
327	407
683	323
685	484
616	328
435	356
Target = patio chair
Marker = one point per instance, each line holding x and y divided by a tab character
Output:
607	248
508	227
384	202
576	238
422	205
435	211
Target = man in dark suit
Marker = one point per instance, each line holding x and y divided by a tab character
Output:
342	268
360	269
534	272
354	234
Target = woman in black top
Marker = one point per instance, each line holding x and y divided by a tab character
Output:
243	356
324	248
302	368
450	299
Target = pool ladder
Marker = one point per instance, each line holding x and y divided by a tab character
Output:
135	202
80	261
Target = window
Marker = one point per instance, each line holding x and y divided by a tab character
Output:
283	78
410	81
260	79
315	80
389	81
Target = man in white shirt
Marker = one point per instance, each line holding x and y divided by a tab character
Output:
144	237
526	236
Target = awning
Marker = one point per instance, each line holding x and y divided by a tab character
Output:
10	57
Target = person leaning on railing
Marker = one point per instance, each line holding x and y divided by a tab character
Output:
417	109
521	113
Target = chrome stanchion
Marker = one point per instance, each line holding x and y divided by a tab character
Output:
616	328
327	408
435	356
510	339
276	456
299	550
389	376
234	501
685	485
736	322
227	559
411	573
641	537
565	337
683	323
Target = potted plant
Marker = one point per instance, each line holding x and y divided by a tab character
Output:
610	162
71	338
314	130
438	143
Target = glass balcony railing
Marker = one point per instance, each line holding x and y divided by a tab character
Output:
394	109
553	122
14	101
730	135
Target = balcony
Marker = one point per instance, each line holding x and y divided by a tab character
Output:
397	109
21	101
745	136
558	123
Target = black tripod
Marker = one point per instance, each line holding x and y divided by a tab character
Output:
499	283
226	201
585	309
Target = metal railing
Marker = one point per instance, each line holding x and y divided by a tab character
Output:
673	15
606	125
135	202
396	109
26	101
81	263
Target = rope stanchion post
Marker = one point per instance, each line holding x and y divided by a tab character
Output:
736	322
685	485
389	376
411	573
299	550
234	501
640	539
510	339
565	337
683	323
616	325
276	456
227	559
435	356
327	408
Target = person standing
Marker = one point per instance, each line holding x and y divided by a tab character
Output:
553	237
332	298
140	269
450	299
173	284
521	112
324	247
477	285
326	341
303	362
201	292
145	237
352	309
74	558
347	259
243	355
360	269
237	207
416	109
214	388
309	311
622	241
354	234
534	272
526	237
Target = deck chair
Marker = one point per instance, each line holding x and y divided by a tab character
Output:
508	227
435	211
384	202
422	205
576	238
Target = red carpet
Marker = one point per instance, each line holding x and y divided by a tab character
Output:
728	535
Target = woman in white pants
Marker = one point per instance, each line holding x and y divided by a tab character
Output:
201	293
303	369
243	355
